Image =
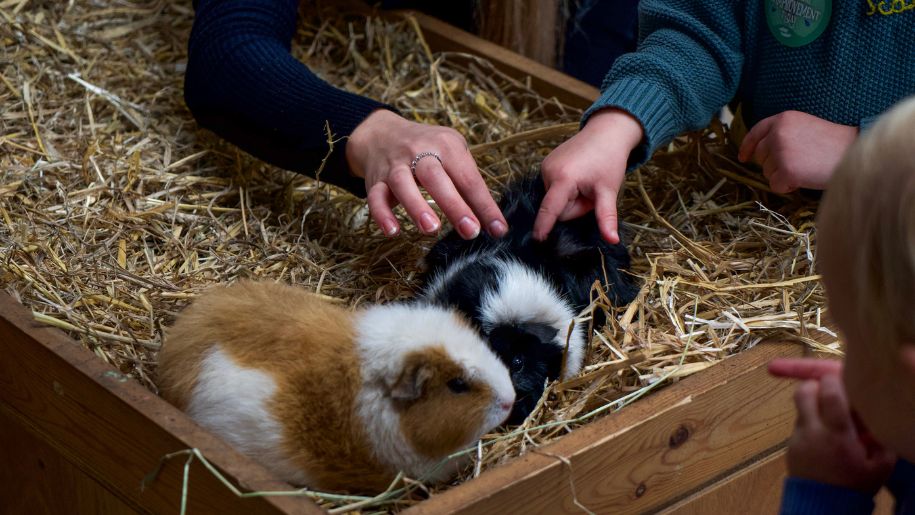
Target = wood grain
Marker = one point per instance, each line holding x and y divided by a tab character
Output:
547	81
37	480
114	430
755	489
652	453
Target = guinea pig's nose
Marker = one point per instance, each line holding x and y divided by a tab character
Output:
505	405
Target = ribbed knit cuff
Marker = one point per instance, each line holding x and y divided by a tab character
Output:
649	105
342	124
809	497
866	123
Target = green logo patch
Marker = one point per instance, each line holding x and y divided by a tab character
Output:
795	23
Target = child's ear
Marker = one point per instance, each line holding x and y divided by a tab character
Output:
907	357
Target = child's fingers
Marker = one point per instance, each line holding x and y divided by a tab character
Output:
834	409
605	211
881	457
864	434
804	368
763	154
753	137
805	399
782	182
558	196
576	208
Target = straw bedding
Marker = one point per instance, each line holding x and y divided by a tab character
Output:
116	210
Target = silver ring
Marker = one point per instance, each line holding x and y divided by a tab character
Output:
421	155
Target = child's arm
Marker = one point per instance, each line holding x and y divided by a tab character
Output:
902	485
687	67
834	468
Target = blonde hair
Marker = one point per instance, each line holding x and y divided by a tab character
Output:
868	218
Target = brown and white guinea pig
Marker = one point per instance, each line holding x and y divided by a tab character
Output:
523	294
331	398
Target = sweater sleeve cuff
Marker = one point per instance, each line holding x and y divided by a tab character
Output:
866	123
648	104
336	170
809	497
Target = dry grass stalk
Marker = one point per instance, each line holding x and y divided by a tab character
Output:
117	211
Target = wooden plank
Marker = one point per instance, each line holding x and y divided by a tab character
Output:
657	450
42	482
757	488
547	81
115	430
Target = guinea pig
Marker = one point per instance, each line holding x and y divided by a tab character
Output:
331	398
523	294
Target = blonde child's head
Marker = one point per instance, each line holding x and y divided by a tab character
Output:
866	252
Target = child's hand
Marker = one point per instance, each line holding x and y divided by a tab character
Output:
797	150
804	368
828	444
586	172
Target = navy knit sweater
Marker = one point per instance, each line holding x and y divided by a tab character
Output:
243	84
845	61
808	497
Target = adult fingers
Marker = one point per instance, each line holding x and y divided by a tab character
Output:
804	368
753	137
404	187
834	409
805	399
557	197
605	211
381	203
433	177
466	177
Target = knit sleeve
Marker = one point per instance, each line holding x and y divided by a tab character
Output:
686	68
866	123
243	84
902	485
808	497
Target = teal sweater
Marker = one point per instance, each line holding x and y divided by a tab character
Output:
843	61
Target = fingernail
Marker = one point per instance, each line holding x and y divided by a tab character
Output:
468	228
497	229
614	236
428	222
390	228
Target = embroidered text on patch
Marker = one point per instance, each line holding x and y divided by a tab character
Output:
795	23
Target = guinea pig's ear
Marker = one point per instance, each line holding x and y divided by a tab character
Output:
409	385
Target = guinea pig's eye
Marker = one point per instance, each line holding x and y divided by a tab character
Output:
517	363
457	385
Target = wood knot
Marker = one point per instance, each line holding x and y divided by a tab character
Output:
680	435
640	490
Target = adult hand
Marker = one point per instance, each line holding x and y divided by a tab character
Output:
826	445
586	172
797	150
381	149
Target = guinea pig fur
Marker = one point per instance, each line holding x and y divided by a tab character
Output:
331	398
523	294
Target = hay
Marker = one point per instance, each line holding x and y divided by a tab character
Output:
117	211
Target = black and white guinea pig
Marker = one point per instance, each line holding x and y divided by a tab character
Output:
331	398
523	294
